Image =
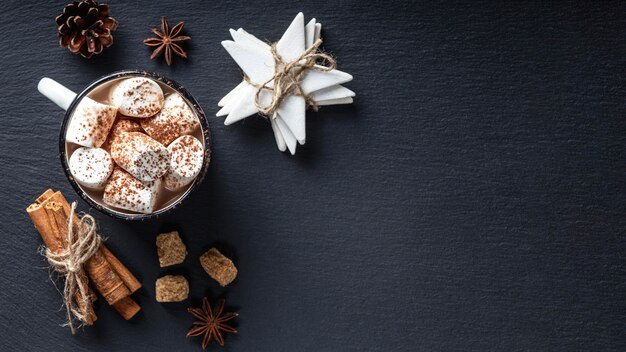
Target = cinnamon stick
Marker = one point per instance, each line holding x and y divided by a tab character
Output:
110	277
48	233
127	307
102	275
58	220
104	278
45	195
127	277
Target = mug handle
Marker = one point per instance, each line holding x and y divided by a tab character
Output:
56	92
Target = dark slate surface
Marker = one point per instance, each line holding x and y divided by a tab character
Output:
471	199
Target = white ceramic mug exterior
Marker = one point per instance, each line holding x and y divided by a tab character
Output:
56	92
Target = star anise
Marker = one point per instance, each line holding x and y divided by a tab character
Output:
167	41
211	323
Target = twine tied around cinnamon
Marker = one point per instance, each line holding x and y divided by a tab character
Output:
83	242
288	75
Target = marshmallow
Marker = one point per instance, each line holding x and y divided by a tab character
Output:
126	192
90	123
140	155
138	97
187	154
175	119
91	167
121	125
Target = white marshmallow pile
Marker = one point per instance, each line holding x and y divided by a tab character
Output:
126	192
186	157
140	155
120	126
91	167
175	119
90	123
138	97
136	155
255	58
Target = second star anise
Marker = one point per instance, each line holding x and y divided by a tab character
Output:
211	323
167	41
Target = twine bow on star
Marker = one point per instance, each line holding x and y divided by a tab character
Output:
83	242
288	76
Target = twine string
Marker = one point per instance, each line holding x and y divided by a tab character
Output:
82	245
288	76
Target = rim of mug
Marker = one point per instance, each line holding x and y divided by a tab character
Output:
204	127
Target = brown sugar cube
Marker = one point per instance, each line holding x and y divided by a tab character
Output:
170	248
172	288
220	268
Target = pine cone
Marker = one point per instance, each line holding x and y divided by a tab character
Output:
85	27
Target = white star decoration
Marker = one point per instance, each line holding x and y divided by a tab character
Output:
255	58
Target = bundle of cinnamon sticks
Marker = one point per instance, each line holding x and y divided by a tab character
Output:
50	214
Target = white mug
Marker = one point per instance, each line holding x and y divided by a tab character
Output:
68	100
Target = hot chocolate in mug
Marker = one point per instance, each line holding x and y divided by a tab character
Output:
163	199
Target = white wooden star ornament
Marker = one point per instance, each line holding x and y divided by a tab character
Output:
282	79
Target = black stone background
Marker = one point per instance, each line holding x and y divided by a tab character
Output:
472	198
